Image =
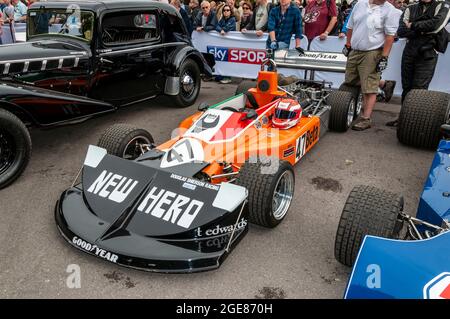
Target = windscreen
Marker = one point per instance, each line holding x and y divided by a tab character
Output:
71	22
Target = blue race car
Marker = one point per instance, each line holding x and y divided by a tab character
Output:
395	255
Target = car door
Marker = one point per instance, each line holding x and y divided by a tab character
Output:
130	57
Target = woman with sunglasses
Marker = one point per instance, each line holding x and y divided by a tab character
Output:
228	21
226	24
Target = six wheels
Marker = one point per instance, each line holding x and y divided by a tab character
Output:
367	211
125	141
422	114
189	84
270	183
342	110
15	147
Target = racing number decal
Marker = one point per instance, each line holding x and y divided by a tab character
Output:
184	151
305	141
178	155
301	147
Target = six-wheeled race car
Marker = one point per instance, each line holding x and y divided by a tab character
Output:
183	205
88	58
394	254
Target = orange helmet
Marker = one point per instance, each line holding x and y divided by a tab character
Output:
287	114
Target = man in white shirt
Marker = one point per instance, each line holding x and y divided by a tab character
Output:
371	30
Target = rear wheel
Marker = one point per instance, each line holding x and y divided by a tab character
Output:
357	95
15	147
270	184
125	141
367	211
342	110
189	84
422	114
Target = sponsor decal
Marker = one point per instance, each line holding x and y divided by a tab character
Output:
305	141
288	152
264	120
189	186
92	248
237	55
438	287
206	122
208	125
171	207
112	186
194	182
320	55
218	230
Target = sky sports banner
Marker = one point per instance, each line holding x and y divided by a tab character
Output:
240	54
237	54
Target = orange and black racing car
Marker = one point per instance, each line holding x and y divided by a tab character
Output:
182	206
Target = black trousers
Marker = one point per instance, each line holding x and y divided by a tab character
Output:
417	72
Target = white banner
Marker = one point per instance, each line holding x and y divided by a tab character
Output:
231	62
237	54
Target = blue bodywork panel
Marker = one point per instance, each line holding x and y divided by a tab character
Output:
434	205
387	268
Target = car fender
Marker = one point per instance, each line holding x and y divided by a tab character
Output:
45	107
178	56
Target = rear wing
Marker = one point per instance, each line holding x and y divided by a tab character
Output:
311	60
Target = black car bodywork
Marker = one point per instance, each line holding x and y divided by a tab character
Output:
123	52
134	215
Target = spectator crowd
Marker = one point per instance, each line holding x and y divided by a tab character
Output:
370	28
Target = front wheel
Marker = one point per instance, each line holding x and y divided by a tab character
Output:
367	211
189	84
125	141
270	184
15	147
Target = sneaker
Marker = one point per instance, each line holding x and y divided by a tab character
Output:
388	90
225	81
208	78
362	124
393	123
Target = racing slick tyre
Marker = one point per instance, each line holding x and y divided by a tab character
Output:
367	211
270	185
342	110
421	116
15	147
125	141
244	86
189	84
357	95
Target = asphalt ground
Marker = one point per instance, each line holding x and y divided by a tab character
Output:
294	260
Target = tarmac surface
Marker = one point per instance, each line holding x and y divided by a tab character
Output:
294	260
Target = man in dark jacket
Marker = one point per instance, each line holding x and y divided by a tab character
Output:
423	25
177	5
205	20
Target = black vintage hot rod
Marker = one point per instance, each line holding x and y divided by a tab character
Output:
86	58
